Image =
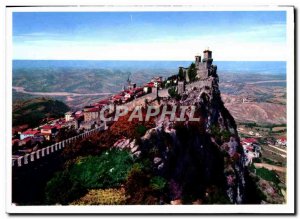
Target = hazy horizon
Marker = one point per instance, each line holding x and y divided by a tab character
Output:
266	67
166	35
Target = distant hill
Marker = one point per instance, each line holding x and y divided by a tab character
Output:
33	111
264	82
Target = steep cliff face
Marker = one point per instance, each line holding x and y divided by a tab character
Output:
203	161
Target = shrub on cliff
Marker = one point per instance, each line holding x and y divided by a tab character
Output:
173	93
142	186
137	187
62	190
180	74
93	172
104	171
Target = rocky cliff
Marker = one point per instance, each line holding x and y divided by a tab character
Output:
203	160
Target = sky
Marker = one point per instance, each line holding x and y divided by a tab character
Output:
231	35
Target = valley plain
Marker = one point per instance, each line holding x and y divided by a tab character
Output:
257	94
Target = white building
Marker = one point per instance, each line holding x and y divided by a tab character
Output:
69	116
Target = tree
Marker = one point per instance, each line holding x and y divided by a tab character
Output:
173	93
192	72
61	189
180	74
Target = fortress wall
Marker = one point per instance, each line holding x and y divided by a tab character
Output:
201	83
202	71
43	152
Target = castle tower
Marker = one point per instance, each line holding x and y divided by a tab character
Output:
207	60
197	61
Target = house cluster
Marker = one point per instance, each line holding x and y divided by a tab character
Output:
251	149
87	118
281	141
38	135
91	114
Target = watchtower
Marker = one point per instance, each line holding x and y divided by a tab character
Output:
197	61
207	58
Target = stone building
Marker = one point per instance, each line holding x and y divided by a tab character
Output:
91	114
69	116
48	131
204	67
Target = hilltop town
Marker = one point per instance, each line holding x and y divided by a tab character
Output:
196	85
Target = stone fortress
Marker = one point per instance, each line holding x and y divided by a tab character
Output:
204	68
206	74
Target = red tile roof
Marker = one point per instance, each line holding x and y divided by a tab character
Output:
48	127
30	132
249	148
130	92
105	101
92	109
138	89
150	84
58	126
282	139
117	97
249	140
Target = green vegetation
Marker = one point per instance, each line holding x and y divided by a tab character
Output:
256	160
93	172
173	93
158	183
141	130
61	189
142	187
272	162
33	111
217	196
249	124
268	175
104	171
219	135
267	126
180	74
192	72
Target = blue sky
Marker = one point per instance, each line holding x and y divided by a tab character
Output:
247	35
